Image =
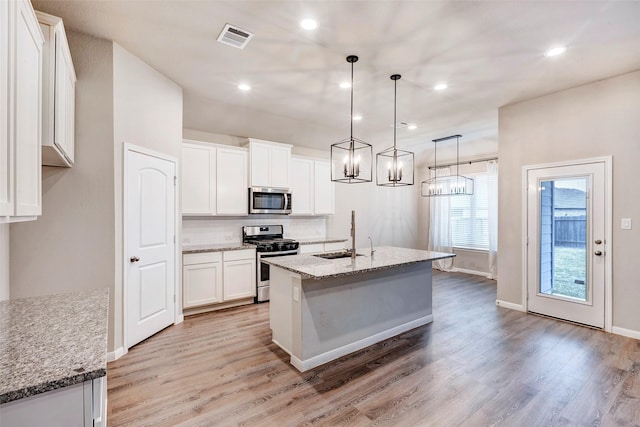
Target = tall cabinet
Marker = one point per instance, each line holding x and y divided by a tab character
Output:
20	112
58	94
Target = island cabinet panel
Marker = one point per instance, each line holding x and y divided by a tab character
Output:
317	321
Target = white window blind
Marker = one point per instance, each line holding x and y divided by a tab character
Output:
469	217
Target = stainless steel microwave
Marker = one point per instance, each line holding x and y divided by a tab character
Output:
264	200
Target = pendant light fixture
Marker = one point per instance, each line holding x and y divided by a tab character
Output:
394	167
351	158
450	185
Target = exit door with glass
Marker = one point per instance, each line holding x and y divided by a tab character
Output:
566	242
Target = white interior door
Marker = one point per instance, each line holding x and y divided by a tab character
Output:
150	246
566	235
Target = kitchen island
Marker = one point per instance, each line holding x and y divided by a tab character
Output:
322	309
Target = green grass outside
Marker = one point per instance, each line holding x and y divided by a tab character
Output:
569	264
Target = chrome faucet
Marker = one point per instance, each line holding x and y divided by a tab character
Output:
371	243
353	235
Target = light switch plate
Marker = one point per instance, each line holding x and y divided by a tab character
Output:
296	294
625	223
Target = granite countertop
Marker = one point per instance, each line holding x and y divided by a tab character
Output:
189	248
50	342
385	257
314	240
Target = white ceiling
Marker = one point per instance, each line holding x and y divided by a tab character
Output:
490	53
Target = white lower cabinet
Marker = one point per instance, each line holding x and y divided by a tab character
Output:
81	405
202	279
239	274
217	277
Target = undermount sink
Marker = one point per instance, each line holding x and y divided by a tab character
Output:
336	255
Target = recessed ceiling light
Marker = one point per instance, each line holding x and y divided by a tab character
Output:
309	24
440	86
345	85
244	87
412	127
555	51
357	117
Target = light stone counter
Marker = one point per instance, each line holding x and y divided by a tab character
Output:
214	247
315	240
385	257
50	342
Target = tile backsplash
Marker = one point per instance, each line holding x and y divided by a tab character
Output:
229	229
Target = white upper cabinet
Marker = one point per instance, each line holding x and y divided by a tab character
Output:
269	164
58	94
198	179
231	183
20	112
214	180
324	189
312	190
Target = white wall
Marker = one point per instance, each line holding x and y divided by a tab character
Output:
71	246
598	119
4	262
147	112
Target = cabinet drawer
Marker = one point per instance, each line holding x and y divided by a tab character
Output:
201	258
240	254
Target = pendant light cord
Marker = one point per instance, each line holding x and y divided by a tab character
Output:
351	102
395	107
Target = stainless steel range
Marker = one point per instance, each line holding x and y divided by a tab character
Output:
269	242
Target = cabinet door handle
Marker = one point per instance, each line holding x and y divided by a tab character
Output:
598	253
598	242
134	259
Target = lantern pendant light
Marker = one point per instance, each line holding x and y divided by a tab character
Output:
394	167
451	185
351	158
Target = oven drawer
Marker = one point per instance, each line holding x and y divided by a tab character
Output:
239	254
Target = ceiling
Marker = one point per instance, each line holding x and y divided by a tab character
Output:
491	53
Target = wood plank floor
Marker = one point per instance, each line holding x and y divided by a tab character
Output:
475	365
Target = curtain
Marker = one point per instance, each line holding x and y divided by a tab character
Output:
440	225
492	195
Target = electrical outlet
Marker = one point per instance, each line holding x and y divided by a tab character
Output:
296	293
625	223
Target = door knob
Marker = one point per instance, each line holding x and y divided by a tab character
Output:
598	242
134	259
598	253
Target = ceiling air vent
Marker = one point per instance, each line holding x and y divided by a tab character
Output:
399	125
234	36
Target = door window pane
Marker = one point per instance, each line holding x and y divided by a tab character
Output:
563	237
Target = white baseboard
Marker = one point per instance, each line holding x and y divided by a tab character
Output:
305	365
474	272
510	305
115	355
180	319
625	332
